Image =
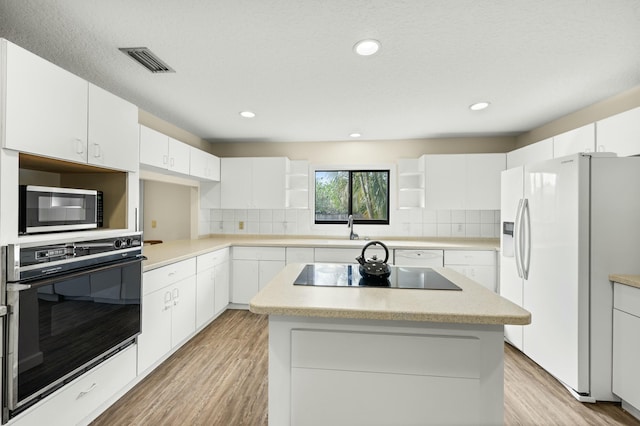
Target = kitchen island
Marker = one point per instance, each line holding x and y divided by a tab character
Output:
385	356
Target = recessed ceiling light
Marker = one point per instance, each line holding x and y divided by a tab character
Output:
479	106
366	47
355	135
247	114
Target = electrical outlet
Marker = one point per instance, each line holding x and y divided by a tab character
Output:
154	223
241	225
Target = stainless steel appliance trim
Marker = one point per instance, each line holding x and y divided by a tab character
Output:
54	228
76	259
36	188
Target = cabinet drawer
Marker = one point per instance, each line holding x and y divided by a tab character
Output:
162	277
77	400
259	253
469	257
214	258
427	258
348	255
431	355
627	299
300	255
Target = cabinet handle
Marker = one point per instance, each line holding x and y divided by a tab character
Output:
176	296
165	159
84	393
167	301
79	146
172	162
96	150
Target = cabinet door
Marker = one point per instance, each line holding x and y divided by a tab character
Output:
154	148
155	340
113	131
178	157
534	153
299	255
269	183
482	274
46	107
221	279
626	350
205	296
203	165
235	183
245	281
620	133
267	270
483	181
445	181
183	315
582	139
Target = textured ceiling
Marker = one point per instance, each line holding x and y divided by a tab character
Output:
291	61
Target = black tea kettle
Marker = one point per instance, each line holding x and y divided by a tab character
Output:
374	269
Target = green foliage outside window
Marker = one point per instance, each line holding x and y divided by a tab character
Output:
362	193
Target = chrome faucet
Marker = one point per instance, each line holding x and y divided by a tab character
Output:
352	235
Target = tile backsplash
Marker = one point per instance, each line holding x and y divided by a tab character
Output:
410	222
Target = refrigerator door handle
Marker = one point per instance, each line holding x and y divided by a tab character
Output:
526	215
517	239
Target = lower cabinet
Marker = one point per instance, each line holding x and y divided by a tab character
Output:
212	285
626	344
348	255
253	268
82	397
168	310
478	265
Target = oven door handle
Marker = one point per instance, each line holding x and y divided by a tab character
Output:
17	287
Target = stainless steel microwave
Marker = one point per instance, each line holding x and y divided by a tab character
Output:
49	209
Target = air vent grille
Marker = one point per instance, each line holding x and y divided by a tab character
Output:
147	59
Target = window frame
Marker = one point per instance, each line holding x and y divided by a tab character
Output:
351	171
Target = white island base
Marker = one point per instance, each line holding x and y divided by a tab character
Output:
328	371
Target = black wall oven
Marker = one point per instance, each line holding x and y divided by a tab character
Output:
70	306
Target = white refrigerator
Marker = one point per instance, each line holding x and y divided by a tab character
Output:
567	224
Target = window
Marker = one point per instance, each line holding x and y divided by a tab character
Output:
361	193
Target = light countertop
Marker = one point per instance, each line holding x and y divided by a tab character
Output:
473	305
174	251
630	280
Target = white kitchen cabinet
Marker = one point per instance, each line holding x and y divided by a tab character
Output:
203	165
626	344
478	265
620	133
160	151
79	399
533	153
168	310
297	184
582	139
463	181
411	180
420	258
348	255
299	255
253	268
45	107
253	183
212	279
112	131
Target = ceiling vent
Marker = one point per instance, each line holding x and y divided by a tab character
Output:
147	59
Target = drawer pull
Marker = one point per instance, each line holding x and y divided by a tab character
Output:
83	393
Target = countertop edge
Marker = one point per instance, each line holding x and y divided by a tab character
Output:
626	279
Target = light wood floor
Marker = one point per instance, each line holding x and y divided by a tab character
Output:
220	378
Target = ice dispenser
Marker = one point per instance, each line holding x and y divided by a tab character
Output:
507	239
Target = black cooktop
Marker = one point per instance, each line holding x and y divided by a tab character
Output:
334	275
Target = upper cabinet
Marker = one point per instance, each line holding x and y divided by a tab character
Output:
253	183
620	133
539	151
297	194
45	107
411	183
582	139
159	151
203	165
53	113
463	181
113	130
